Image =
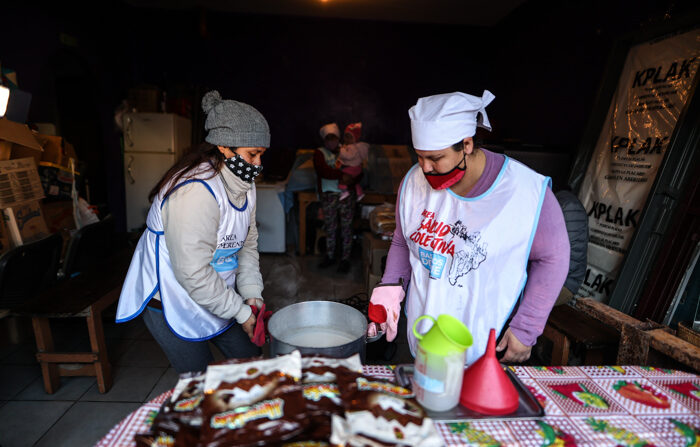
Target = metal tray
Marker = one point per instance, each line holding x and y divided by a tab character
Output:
528	408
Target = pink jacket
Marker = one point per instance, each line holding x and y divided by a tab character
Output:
353	154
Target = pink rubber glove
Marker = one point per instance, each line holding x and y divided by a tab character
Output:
385	307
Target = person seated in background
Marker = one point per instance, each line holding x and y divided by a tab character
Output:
352	154
328	178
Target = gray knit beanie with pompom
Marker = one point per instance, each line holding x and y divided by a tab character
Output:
233	124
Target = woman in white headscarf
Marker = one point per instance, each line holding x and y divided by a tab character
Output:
334	209
471	226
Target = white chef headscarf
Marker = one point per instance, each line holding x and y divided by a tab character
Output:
440	121
331	128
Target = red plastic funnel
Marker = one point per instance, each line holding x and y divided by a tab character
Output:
486	388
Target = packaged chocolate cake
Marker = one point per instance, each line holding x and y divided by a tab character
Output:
253	403
379	413
321	392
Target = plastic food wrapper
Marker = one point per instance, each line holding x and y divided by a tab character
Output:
186	400
380	413
154	440
237	361
321	391
382	219
253	403
180	417
320	387
306	444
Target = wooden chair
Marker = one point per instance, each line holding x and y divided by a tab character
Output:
27	270
89	244
93	273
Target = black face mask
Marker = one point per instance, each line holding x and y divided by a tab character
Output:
242	169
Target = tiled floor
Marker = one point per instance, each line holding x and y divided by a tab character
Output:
78	415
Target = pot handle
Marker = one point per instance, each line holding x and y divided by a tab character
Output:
374	338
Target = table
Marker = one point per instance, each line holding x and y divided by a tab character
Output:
672	419
306	198
85	295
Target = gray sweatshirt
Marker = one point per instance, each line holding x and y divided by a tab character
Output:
190	223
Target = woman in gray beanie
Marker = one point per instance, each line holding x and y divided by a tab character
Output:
195	274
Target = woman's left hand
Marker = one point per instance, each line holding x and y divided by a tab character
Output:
257	302
516	352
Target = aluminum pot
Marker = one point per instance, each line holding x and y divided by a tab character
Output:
318	327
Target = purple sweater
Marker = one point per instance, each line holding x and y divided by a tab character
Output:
547	267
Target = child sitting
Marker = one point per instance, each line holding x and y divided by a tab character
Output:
350	159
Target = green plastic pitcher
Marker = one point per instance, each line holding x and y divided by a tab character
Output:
439	365
447	336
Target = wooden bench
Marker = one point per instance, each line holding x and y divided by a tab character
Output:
88	281
567	327
83	296
639	338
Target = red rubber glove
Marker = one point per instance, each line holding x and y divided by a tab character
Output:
260	322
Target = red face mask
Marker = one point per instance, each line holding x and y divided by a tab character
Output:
444	181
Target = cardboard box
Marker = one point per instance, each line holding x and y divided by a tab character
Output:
373	250
398	168
375	260
145	99
17	141
396	151
59	218
56	150
19	182
25	223
57	181
46	128
30	221
386	167
372	280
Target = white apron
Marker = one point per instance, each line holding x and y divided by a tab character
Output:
469	255
150	270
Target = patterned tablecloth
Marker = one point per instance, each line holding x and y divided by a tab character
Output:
584	406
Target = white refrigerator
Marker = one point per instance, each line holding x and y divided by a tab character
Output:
152	144
270	217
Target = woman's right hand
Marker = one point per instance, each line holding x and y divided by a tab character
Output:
385	308
249	326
